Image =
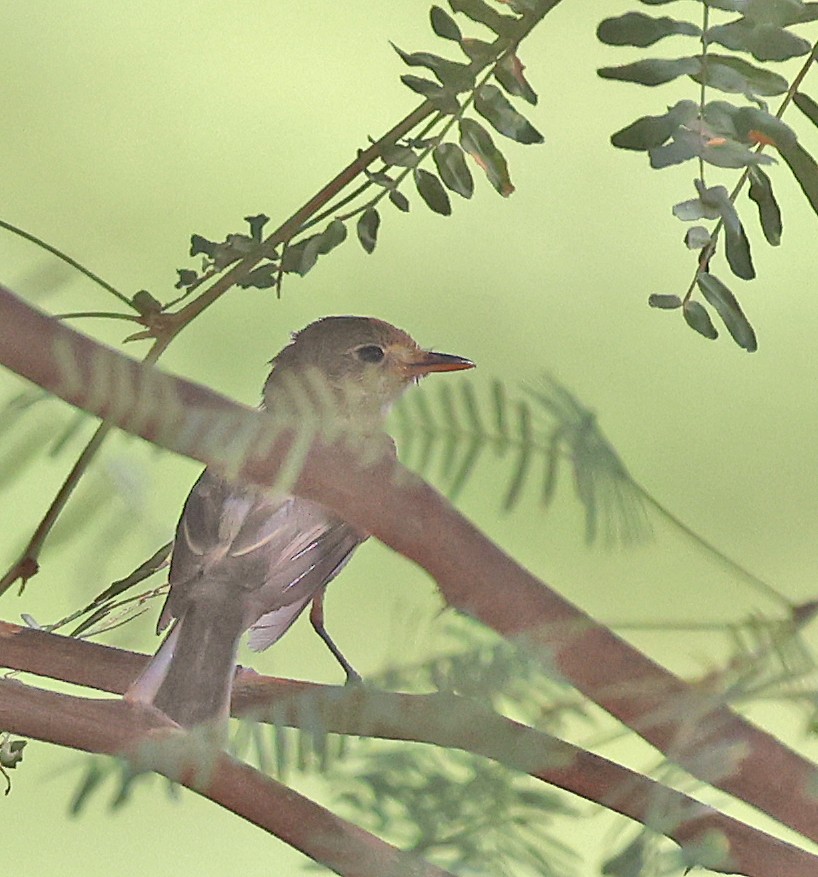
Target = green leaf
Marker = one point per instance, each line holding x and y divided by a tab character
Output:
765	42
715	141
697	237
726	153
468	461
451	165
762	127
807	106
474	426
711	849
367	228
809	12
478	51
94	775
332	236
769	213
630	861
526	444
459	77
223	253
715	202
729	310
263	277
500	401
478	143
638	29
300	258
804	169
379	178
719	117
471	408
649	132
679	150
431	190
757	126
652	71
443	98
186	278
736	245
444	25
736	76
551	469
697	318
664	302
509	73
201	245
779	12
396	155
450	447
145	304
482	13
257	224
492	105
399	200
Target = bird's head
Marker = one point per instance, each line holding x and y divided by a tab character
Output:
364	363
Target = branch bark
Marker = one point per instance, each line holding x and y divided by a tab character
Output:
473	574
439	719
150	740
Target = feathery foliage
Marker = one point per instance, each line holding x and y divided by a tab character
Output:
544	428
723	135
458	87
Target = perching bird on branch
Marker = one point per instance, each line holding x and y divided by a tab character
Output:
245	559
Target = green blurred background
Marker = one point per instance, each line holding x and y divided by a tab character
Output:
127	127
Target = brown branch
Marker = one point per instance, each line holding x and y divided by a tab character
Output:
438	719
473	574
152	742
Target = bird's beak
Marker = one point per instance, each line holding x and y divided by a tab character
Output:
425	362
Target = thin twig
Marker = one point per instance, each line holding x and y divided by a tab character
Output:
50	248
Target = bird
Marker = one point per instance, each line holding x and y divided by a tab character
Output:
247	559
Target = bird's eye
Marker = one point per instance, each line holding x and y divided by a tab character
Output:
370	353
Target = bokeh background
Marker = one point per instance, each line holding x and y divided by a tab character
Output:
128	127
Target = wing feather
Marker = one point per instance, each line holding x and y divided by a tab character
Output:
270	553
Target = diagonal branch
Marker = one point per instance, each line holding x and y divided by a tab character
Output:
438	719
381	497
155	743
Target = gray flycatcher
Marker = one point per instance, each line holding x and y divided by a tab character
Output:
246	559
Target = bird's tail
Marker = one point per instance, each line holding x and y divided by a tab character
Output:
191	676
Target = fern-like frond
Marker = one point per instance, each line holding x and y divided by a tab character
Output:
612	501
544	427
456	809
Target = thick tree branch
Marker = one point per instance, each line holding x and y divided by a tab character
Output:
153	742
442	720
473	574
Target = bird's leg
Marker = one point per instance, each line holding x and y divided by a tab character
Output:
317	621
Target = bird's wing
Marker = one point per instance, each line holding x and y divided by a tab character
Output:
317	562
270	553
273	625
